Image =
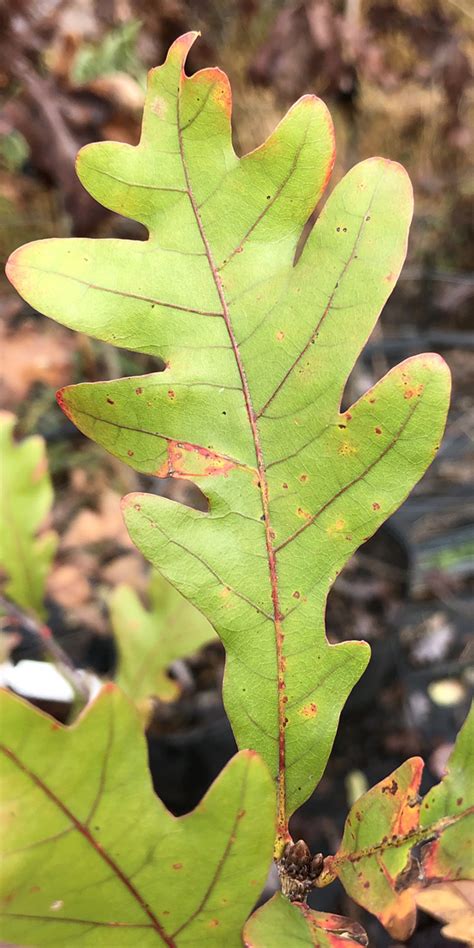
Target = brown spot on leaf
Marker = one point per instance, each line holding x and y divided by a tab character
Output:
375	505
130	453
138	391
347	449
192	460
110	401
303	478
171	393
378	431
177	865
296	594
280	335
303	513
309	710
414	392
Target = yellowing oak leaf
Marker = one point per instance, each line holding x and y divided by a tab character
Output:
257	351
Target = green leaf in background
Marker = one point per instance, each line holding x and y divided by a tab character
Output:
257	353
148	642
374	861
281	924
92	857
26	497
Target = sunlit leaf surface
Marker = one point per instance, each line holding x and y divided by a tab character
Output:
257	353
90	856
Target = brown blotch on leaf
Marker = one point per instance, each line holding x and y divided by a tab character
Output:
303	513
378	431
309	710
392	789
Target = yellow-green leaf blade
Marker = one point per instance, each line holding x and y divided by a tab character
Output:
257	352
91	856
279	924
451	855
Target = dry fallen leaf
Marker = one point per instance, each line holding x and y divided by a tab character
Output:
97	526
29	356
68	586
453	903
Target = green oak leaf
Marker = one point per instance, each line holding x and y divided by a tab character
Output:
451	855
280	924
257	352
367	862
92	857
374	861
26	496
149	641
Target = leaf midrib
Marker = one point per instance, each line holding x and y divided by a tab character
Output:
282	822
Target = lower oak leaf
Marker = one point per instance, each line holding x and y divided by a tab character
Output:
390	829
450	805
281	924
92	857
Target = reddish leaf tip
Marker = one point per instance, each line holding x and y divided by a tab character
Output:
61	400
131	500
11	265
110	688
181	46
